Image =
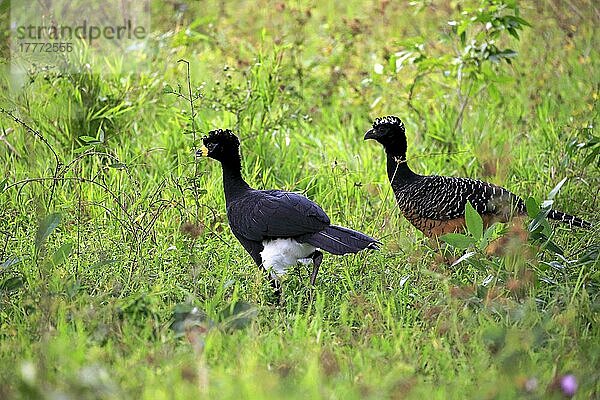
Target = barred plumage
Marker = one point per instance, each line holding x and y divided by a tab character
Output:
444	198
569	219
436	204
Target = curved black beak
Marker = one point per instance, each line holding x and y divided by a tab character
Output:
370	134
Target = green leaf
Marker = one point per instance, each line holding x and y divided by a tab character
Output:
89	139
461	28
10	262
392	63
539	221
489	232
45	229
533	208
117	166
519	20
198	22
494	92
553	247
168	89
507	54
590	157
556	189
62	253
546	243
83	149
239	315
474	221
458	240
11	284
3	185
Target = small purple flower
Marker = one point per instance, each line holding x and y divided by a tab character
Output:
568	385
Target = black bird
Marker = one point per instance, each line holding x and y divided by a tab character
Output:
435	205
277	228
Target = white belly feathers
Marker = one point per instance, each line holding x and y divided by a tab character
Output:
280	254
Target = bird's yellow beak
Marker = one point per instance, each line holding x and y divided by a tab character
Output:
203	151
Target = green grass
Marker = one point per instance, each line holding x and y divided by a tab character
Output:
147	230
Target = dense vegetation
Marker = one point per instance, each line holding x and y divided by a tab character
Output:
111	233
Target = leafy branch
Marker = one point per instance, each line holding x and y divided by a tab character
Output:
475	38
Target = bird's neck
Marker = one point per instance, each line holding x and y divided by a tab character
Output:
233	183
398	170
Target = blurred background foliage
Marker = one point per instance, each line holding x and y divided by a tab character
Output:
118	274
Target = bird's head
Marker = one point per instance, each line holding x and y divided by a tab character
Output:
389	131
221	145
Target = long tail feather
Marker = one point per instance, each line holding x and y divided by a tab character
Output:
339	240
569	219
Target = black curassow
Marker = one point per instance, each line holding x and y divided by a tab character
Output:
277	228
435	205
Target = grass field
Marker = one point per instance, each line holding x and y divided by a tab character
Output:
111	232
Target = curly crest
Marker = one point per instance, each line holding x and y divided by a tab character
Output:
388	120
221	134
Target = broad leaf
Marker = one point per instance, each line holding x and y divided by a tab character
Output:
88	139
539	220
45	229
546	242
458	240
538	215
11	284
239	316
474	221
62	253
553	247
533	208
556	189
463	258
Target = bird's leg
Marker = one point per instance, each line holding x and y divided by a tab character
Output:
317	258
275	283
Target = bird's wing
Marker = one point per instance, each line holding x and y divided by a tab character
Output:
263	214
445	198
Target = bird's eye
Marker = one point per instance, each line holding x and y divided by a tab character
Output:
209	146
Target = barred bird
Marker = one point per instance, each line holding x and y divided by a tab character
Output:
435	205
277	228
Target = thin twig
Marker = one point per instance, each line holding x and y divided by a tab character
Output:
193	116
190	98
32	131
464	101
57	168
